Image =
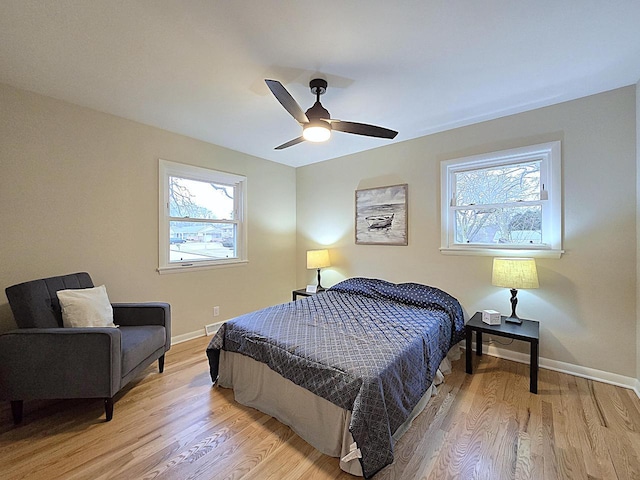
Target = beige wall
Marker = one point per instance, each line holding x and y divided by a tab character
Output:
586	302
79	191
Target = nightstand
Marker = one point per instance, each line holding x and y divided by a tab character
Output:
300	293
528	331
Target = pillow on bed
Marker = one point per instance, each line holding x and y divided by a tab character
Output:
86	307
361	286
407	293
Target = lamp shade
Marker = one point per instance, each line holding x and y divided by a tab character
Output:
515	273
318	259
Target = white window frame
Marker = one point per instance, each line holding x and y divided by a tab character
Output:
167	169
549	155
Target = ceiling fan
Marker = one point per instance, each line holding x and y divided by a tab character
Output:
316	123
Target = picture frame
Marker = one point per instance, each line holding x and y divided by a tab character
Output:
382	216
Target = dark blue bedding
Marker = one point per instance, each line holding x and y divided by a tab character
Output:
366	345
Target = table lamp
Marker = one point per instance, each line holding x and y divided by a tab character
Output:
514	273
318	259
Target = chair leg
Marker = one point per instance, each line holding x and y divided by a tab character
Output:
108	408
161	364
16	410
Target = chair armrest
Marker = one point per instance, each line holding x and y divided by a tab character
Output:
60	363
137	314
140	314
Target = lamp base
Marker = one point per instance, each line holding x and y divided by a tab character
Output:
514	301
319	288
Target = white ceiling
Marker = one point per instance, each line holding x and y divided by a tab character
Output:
416	66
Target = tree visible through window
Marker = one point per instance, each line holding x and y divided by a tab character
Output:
503	200
201	216
499	205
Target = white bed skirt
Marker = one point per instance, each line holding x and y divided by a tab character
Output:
319	422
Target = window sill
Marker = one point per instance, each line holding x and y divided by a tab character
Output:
182	268
502	252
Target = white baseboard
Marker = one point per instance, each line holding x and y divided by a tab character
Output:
187	336
208	330
212	328
562	367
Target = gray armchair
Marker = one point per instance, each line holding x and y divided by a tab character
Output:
44	360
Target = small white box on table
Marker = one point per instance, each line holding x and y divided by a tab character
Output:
491	317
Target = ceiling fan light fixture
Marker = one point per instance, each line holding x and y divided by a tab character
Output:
316	122
317	131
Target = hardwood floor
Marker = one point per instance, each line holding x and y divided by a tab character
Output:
176	426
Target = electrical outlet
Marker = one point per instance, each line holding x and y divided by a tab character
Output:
216	311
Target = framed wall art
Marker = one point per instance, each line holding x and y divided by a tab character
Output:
381	216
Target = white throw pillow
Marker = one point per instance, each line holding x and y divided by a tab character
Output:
86	307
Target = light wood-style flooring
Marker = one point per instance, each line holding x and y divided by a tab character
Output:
176	426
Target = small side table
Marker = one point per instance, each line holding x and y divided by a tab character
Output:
302	292
528	331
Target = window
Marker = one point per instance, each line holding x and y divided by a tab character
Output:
201	217
506	202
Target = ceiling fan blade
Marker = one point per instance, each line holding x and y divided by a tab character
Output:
287	101
290	143
362	129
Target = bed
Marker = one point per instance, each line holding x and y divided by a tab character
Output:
347	369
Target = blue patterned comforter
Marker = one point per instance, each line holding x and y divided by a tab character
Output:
366	345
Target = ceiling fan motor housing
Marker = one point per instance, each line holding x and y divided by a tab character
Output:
318	111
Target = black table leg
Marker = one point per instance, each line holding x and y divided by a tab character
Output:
467	354
478	343
533	386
